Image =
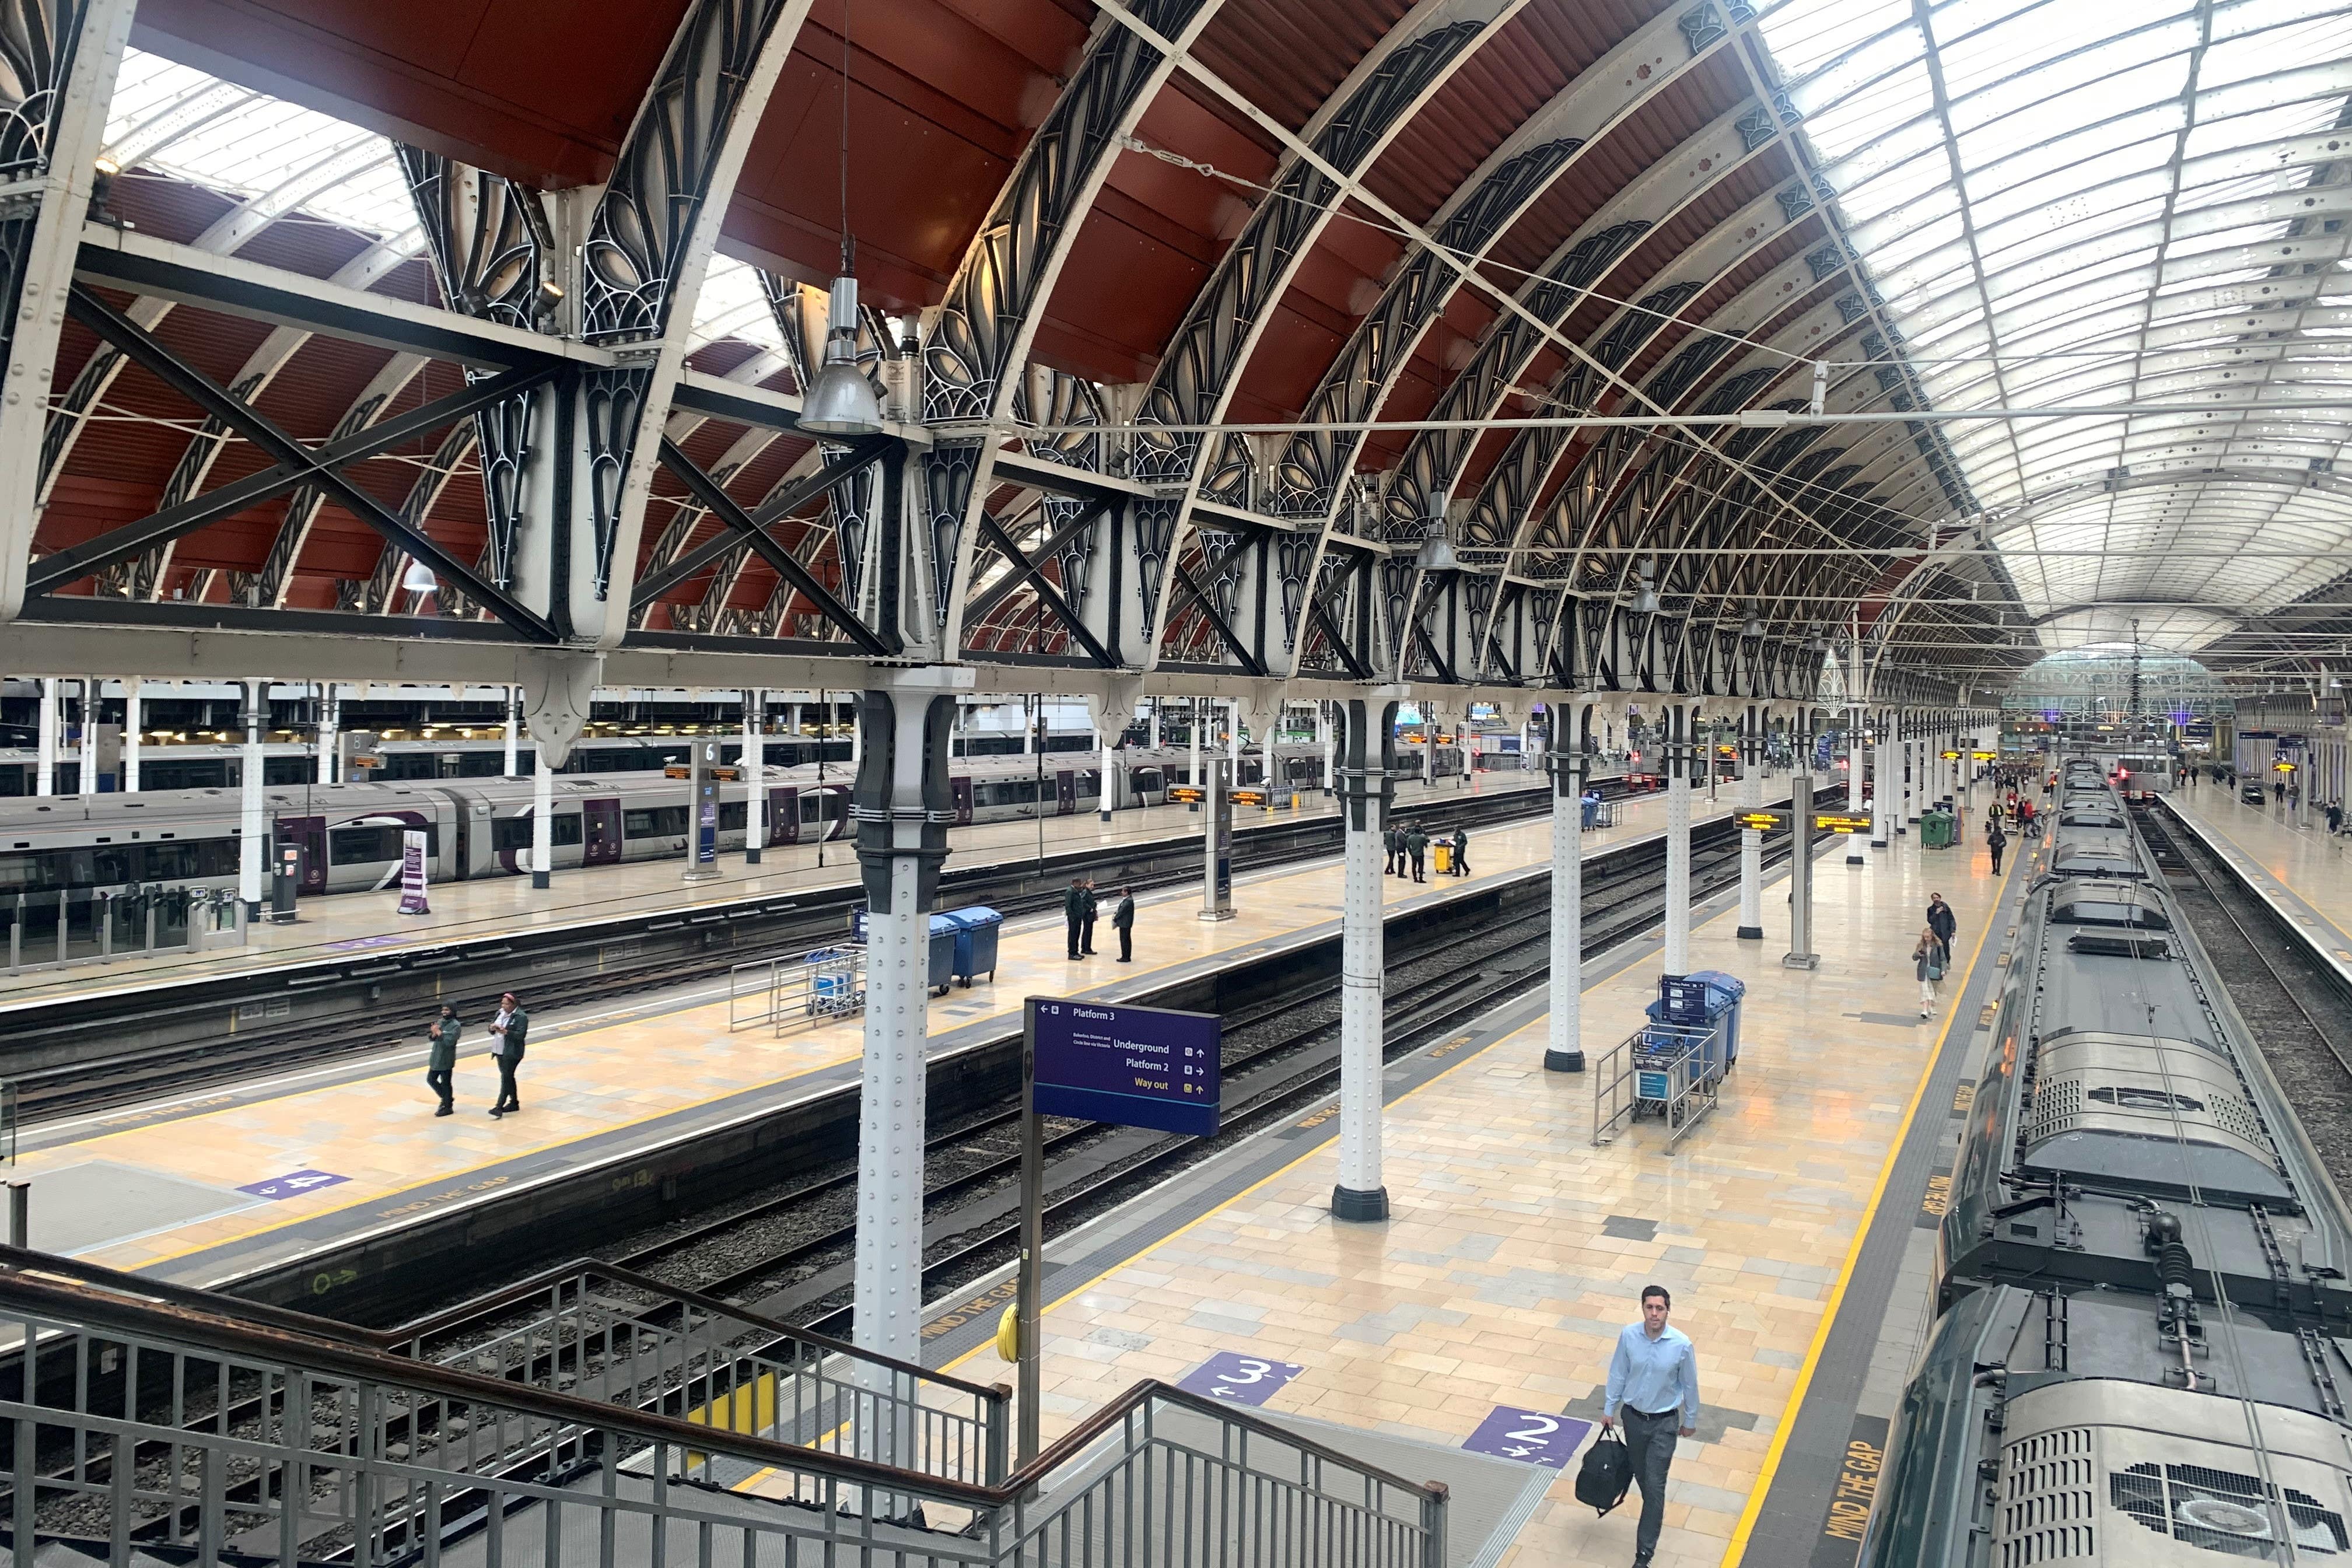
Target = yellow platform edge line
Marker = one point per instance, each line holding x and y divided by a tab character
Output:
1737	1550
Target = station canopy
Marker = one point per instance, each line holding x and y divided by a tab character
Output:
2068	284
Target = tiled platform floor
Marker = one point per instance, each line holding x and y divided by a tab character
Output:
1516	1249
475	909
2285	852
380	1133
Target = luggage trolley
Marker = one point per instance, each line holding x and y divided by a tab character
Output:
836	982
1671	1068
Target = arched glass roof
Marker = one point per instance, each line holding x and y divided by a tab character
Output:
2100	206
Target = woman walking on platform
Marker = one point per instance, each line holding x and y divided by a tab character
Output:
1996	841
1928	961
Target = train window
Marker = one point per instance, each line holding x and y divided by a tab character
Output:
655	822
514	832
731	816
189	860
364	846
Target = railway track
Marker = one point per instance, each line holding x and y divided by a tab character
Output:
144	1074
2295	1004
786	1255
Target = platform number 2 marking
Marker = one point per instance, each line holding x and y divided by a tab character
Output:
1529	1436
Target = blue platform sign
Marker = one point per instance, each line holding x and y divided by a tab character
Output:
1137	1066
1240	1378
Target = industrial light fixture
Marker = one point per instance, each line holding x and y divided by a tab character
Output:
1646	598
419	578
840	401
1754	629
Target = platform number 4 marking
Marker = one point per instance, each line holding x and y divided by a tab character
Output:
1240	1378
293	1185
1529	1436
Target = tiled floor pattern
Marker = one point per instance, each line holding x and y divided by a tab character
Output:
2282	849
1516	1249
381	1134
471	911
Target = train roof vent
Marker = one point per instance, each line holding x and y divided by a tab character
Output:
2100	946
2134	1109
2101	1471
2087	816
2095	860
2087	902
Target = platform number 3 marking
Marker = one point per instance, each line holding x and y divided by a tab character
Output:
1240	1378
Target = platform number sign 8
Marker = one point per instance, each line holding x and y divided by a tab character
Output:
1528	1436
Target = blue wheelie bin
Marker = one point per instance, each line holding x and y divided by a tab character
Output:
1696	1001
975	943
1730	991
943	930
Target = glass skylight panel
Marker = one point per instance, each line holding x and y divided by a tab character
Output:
1808	34
734	305
1838	128
2141	68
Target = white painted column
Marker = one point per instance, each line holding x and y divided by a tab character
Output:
1884	805
1153	705
1678	839
755	776
1564	1035
44	771
253	848
514	728
900	849
329	721
86	771
1324	739
134	717
1429	745
1911	781
1104	783
1751	841
1365	789
1193	777
1857	758
542	818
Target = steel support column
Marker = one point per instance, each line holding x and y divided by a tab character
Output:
134	707
1751	841
45	768
1678	838
252	847
903	807
1800	953
1885	802
542	821
1571	724
1856	759
755	776
1367	785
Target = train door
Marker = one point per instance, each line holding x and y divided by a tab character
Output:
600	822
783	816
959	787
308	834
1066	792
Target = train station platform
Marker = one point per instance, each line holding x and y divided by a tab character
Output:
225	1182
347	925
2289	856
1481	1317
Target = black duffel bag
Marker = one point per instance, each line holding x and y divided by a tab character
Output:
1607	1473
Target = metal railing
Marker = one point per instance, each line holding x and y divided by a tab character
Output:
829	982
1673	1072
137	1427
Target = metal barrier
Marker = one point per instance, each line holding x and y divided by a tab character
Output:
829	982
136	1429
1673	1072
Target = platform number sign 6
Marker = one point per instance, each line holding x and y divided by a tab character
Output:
1528	1436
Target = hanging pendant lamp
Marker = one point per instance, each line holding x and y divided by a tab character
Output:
840	400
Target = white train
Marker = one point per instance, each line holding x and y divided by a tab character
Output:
351	835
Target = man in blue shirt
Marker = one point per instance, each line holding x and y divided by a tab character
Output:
1654	1376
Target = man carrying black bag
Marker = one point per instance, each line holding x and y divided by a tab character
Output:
1653	1377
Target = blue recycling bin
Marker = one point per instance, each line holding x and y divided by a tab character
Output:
1695	1002
943	930
1731	989
975	942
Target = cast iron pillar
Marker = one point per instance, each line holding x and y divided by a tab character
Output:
1570	726
1752	841
1678	838
1367	784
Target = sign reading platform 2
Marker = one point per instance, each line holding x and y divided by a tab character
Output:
1137	1066
1529	1436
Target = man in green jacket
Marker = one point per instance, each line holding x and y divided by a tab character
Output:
1416	844
513	1027
441	1060
1073	913
1396	851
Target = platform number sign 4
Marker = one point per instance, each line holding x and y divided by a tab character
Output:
1239	1379
293	1185
1529	1436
